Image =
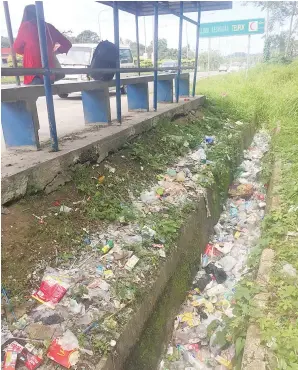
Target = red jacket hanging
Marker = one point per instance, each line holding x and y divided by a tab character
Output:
27	44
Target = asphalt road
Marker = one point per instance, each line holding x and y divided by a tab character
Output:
69	112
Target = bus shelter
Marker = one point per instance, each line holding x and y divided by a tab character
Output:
138	9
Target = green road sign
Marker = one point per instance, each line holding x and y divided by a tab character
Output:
233	28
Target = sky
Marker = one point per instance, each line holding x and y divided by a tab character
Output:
78	15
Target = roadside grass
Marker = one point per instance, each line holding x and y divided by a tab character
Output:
270	96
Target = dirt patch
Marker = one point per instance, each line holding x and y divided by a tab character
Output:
31	241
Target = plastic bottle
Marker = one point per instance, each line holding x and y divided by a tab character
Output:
109	245
202	154
197	364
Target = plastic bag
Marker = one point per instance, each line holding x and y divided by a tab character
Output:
53	287
30	360
202	282
219	273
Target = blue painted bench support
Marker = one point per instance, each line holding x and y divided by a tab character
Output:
165	91
138	97
20	123
19	114
96	106
183	86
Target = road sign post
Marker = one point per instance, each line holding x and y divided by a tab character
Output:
248	52
209	48
232	28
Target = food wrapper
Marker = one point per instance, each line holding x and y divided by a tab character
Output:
64	357
192	347
14	347
237	235
65	350
52	288
211	251
130	264
11	355
241	190
10	360
210	254
30	360
223	361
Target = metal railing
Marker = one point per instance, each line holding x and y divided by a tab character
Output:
72	71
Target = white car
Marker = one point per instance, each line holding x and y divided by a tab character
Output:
223	68
80	56
234	68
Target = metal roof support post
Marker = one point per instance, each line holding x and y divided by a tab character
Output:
179	51
138	41
155	53
116	39
10	37
197	51
46	78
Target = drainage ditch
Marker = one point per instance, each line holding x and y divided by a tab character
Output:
199	339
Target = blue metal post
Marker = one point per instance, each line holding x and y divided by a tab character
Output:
197	51
116	39
10	37
47	80
155	54
179	51
137	39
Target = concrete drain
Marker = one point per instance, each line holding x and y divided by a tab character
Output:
197	340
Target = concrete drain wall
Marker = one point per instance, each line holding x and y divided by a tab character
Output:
140	344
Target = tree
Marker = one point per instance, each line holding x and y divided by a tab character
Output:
267	50
133	46
215	60
69	35
162	48
4	42
187	52
280	12
280	45
293	13
87	36
172	54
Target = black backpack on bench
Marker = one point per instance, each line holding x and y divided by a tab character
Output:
105	56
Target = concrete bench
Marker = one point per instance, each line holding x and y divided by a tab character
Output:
19	116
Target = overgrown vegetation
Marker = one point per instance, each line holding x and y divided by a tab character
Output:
148	157
269	94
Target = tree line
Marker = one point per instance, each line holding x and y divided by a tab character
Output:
280	46
84	37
